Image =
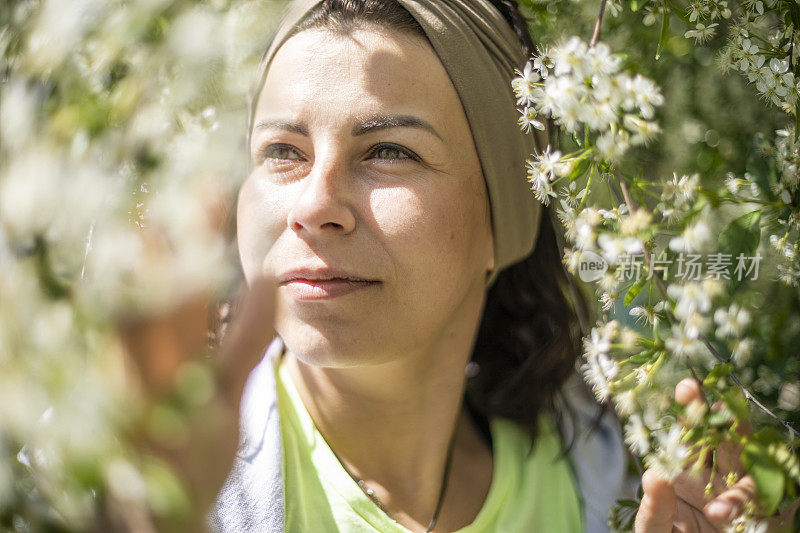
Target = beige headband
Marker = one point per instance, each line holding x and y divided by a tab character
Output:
479	51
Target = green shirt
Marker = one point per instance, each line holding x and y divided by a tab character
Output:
533	493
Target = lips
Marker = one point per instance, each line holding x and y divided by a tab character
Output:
323	284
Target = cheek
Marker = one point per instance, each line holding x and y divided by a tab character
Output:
260	218
433	232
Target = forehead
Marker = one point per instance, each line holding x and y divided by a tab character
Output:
365	70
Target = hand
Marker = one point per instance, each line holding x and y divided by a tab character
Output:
682	505
160	345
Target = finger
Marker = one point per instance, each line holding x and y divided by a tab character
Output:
250	332
657	510
690	486
728	453
730	504
729	459
690	519
688	390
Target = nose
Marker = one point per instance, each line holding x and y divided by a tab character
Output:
322	205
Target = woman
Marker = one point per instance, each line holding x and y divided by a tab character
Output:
369	206
387	202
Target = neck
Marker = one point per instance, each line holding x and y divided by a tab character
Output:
391	423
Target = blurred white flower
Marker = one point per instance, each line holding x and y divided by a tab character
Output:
600	368
626	402
615	247
741	349
585	236
637	436
693	239
670	454
195	37
695	413
694	325
789	397
731	322
690	297
635	222
681	191
682	345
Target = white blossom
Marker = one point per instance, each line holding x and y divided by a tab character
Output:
585	87
635	222
637	436
701	32
643	314
527	120
731	322
682	345
694	325
614	247
626	402
670	455
693	238
682	191
690	297
741	349
600	368
525	85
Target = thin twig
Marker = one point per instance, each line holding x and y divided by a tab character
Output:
662	289
747	394
597	24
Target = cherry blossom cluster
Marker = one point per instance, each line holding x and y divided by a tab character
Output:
584	87
762	55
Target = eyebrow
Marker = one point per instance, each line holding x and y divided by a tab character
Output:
371	124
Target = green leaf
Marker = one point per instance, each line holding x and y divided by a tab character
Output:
678	12
641	358
720	371
580	168
662	41
794	13
768	435
737	404
720	419
628	503
634	290
693	435
768	476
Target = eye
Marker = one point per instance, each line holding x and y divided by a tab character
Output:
279	152
392	151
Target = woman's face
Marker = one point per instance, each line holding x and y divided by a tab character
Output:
366	200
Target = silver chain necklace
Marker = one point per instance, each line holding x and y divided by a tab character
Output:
371	494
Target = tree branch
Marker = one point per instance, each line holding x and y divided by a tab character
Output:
597	24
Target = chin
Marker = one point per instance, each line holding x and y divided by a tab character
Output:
333	347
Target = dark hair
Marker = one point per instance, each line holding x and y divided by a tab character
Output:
529	336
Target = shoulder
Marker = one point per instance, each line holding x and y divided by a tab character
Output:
252	496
